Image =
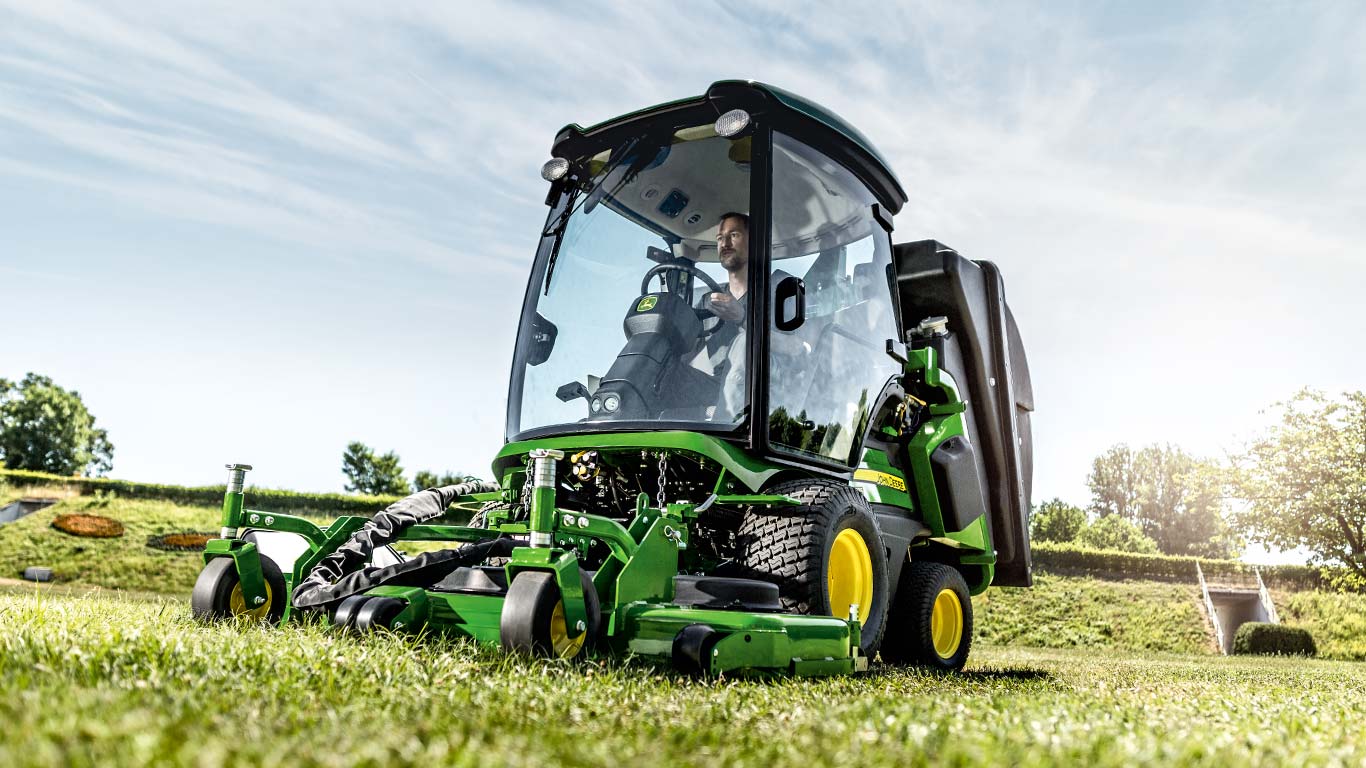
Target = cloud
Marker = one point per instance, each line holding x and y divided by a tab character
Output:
1162	185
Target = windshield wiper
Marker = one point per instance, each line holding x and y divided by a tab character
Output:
579	196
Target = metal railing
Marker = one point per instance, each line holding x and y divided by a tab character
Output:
1209	609
1264	595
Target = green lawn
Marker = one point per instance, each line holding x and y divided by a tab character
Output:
115	680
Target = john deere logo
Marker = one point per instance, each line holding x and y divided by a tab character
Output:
646	304
881	478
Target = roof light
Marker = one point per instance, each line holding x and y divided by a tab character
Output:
555	169
731	123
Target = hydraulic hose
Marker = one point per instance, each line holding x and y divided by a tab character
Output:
344	572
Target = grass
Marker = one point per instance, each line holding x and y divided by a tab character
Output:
1058	612
1063	612
93	682
1337	621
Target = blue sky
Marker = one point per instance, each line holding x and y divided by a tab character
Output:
255	232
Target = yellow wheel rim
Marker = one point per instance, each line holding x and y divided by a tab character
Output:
851	576
946	624
237	604
566	647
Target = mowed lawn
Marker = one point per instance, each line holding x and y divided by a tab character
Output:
105	679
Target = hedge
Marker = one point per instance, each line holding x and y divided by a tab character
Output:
1263	638
1071	560
318	504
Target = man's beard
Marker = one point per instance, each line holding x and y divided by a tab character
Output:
730	261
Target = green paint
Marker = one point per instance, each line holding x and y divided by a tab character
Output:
750	471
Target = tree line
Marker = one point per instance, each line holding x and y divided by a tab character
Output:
1300	483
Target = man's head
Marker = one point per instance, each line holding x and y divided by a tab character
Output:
732	241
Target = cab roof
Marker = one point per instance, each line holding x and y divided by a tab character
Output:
820	126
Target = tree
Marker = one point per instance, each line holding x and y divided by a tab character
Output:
1056	520
1115	533
1304	479
426	478
1174	498
45	428
371	474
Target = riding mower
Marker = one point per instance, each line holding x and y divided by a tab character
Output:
826	472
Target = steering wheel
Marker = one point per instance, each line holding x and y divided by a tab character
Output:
681	266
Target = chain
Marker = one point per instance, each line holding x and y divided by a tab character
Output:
663	463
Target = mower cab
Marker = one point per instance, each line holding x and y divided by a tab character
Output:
744	430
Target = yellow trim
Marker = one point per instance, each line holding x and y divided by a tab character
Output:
566	647
881	478
850	575
237	604
946	623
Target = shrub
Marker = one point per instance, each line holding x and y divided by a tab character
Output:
1070	559
185	541
89	526
1115	533
1262	638
1056	520
318	504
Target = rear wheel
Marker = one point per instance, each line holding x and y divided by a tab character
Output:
533	618
825	555
931	620
218	593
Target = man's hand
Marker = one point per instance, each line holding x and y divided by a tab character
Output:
725	307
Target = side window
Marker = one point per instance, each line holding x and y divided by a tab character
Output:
825	376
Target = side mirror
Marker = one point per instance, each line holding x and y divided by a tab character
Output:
543	333
789	304
571	391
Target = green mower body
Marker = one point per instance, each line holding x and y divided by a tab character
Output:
825	464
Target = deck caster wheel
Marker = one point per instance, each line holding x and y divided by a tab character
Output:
348	611
218	593
533	617
378	613
692	649
931	620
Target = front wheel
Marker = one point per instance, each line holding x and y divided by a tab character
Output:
533	618
826	555
931	618
218	593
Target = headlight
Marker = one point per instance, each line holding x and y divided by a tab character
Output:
596	405
555	169
611	403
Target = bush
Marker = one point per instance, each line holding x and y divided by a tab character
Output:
1262	638
1113	532
1073	560
89	526
318	504
1056	520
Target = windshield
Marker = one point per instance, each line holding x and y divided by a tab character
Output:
634	313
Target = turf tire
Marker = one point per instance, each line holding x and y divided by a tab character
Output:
910	633
791	547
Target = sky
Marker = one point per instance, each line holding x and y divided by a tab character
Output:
255	232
